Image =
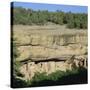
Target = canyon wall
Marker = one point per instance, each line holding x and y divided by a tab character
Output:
48	51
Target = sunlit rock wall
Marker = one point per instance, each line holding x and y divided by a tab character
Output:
39	52
51	46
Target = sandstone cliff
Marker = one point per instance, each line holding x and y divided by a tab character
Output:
50	50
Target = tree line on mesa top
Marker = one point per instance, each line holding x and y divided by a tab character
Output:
30	17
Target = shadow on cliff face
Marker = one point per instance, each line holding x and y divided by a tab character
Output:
57	78
18	83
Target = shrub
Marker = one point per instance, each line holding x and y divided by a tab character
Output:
56	75
39	77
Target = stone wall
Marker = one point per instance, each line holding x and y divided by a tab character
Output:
29	69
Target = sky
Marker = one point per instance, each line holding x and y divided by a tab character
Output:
52	7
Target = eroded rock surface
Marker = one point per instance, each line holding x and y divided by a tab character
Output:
50	50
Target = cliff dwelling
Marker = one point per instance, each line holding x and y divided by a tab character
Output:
51	65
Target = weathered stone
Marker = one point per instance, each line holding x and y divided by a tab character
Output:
50	50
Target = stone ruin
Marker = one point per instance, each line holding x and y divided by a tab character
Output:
51	65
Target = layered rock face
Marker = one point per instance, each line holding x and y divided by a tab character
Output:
50	50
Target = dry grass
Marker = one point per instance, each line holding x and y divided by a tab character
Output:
48	29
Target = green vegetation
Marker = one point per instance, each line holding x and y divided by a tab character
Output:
76	76
31	17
